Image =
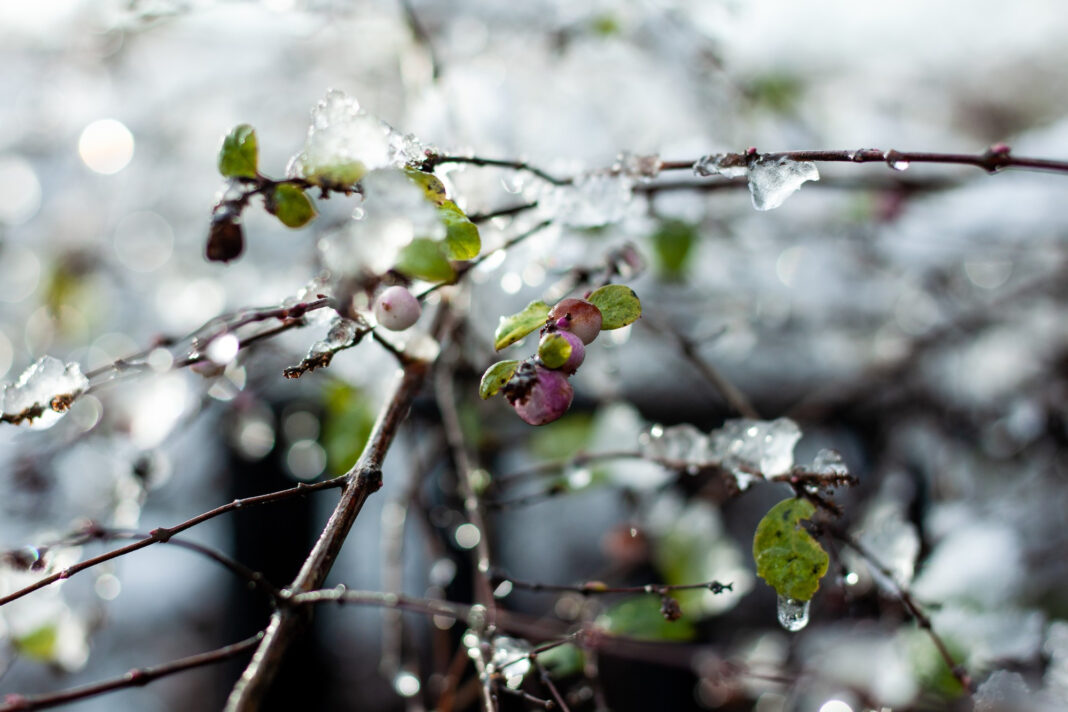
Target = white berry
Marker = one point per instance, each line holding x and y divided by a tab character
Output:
396	309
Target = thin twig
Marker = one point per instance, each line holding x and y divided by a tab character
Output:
599	587
134	678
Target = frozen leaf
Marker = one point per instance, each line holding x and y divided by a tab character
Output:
425	259
291	205
619	305
787	556
728	165
495	377
773	180
239	154
763	446
554	350
513	328
42	393
344	142
462	240
640	617
511	659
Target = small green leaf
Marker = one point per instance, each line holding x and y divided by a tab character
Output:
563	660
495	377
431	185
346	425
462	240
672	244
619	305
40	644
513	328
337	176
787	556
425	259
239	155
640	617
291	205
554	350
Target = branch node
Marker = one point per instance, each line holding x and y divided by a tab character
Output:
162	534
369	479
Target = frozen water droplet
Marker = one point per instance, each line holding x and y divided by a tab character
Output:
728	165
761	445
48	383
900	165
592	200
642	168
511	659
793	614
773	180
829	462
342	332
678	442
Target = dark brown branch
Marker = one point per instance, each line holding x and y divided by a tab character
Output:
599	587
133	678
438	159
361	481
162	534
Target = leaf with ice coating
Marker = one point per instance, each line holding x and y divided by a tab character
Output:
514	327
773	180
786	555
239	154
619	305
42	393
291	205
495	377
745	446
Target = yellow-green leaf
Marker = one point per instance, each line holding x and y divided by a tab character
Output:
431	185
39	645
618	303
554	350
425	259
514	327
291	205
495	377
239	155
462	240
786	555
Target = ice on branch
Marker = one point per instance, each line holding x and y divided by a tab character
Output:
748	446
591	200
42	393
345	142
684	443
771	180
641	168
511	658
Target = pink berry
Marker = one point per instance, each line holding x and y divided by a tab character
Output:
396	308
577	316
546	399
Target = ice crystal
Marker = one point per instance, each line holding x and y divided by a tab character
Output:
773	180
49	385
762	446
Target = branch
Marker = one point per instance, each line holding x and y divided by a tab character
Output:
133	678
360	482
599	587
438	159
162	534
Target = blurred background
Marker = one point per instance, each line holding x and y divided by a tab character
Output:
912	320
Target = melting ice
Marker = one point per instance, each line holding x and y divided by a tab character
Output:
763	445
772	181
47	378
793	614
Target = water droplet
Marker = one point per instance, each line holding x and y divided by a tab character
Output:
900	165
772	181
793	614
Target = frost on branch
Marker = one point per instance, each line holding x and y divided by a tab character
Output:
42	393
771	180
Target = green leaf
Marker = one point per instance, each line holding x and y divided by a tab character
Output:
431	185
554	350
347	421
425	259
513	328
338	176
239	155
619	305
40	644
563	660
787	556
462	240
291	205
640	617
672	243
495	377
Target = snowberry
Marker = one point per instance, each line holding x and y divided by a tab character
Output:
396	308
577	316
546	397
